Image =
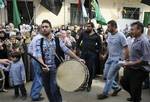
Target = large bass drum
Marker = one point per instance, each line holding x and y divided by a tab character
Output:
72	75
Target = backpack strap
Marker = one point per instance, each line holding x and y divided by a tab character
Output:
59	52
41	46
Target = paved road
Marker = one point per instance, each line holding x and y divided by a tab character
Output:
78	96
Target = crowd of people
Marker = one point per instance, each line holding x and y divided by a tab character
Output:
51	46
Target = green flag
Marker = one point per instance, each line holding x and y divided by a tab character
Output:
98	16
1	4
16	16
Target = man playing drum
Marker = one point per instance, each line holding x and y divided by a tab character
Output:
46	51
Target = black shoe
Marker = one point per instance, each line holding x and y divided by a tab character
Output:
88	89
40	95
145	87
38	99
115	93
24	97
101	96
16	96
129	99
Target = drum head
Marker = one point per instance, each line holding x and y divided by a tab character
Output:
71	75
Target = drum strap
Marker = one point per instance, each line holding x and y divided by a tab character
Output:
41	46
59	55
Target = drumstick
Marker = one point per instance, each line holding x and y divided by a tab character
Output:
61	60
36	59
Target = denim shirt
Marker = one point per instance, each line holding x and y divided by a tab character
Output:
49	47
32	45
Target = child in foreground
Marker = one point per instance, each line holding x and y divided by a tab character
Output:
17	75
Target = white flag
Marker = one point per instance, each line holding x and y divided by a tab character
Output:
84	10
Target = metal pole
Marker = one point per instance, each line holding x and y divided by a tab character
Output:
64	13
35	13
1	14
26	4
90	10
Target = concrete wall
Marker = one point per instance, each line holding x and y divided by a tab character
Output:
111	9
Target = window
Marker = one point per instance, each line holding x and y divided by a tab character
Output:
146	18
131	13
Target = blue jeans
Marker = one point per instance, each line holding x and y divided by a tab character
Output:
110	72
37	82
50	86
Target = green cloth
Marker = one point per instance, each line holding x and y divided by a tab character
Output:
146	18
98	16
16	15
2	4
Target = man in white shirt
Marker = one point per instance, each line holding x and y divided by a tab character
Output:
37	82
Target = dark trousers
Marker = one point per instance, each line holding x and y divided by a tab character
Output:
6	84
132	82
50	86
21	88
147	82
90	59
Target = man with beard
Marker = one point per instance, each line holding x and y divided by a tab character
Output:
137	67
46	50
116	45
89	43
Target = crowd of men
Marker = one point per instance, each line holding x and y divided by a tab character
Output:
86	44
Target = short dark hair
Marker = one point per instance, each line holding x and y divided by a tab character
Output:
148	25
47	21
113	23
90	23
16	54
139	25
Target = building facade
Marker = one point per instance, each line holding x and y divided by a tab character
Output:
123	11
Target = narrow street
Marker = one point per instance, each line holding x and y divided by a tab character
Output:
77	96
